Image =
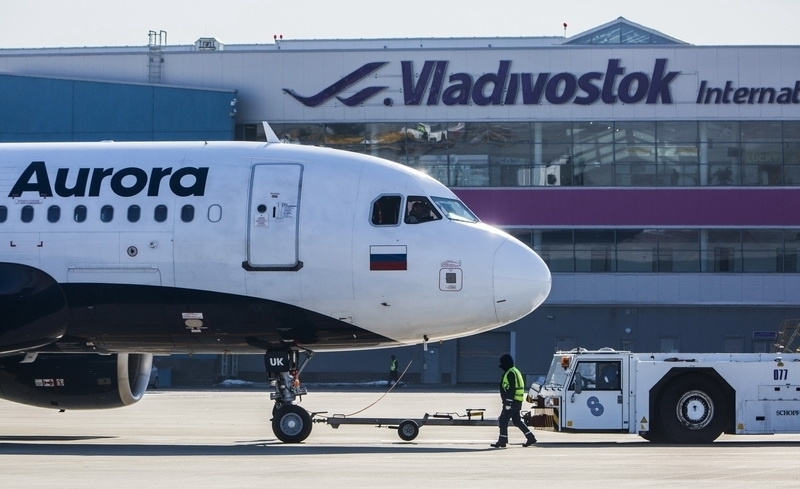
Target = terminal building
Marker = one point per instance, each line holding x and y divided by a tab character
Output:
659	180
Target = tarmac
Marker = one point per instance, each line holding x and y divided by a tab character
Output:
223	439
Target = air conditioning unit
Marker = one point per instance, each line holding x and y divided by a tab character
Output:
208	44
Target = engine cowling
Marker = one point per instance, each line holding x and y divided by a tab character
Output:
76	381
35	312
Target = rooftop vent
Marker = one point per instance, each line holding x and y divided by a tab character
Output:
208	44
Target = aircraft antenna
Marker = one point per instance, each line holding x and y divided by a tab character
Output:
271	136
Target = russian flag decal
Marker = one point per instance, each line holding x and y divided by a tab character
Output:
387	257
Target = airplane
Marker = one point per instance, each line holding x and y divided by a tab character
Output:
112	252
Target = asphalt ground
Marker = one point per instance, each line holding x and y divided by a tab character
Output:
223	439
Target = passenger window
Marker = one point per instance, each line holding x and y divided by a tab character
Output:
419	210
160	213
386	210
53	213
187	213
27	213
107	213
80	213
134	213
214	213
3	213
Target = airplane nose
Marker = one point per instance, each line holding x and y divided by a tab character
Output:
521	281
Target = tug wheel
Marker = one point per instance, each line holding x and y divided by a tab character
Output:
408	430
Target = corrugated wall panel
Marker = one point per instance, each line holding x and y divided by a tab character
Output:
479	357
46	109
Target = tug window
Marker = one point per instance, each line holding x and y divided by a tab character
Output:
597	376
419	210
386	210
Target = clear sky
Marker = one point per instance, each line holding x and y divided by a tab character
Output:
69	23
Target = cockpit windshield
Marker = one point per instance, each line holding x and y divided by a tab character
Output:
454	209
387	211
419	210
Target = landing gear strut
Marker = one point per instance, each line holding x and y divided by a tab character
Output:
290	422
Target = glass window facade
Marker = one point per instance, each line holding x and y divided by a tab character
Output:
586	153
643	154
666	250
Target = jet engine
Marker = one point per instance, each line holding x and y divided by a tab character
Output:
75	380
35	312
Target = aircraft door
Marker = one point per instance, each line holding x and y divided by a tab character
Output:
594	398
272	230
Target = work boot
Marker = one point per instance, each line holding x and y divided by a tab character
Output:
501	442
531	440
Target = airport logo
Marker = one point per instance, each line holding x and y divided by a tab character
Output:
125	182
435	85
331	91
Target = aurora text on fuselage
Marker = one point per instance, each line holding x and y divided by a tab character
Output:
125	182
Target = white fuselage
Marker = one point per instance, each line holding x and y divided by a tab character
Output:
286	224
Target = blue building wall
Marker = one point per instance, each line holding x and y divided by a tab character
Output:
47	109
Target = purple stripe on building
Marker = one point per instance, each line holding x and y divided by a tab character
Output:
619	207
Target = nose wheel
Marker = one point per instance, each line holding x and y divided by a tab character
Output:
290	422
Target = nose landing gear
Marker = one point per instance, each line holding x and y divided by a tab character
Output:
290	422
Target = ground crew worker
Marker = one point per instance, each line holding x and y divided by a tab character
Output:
393	370
512	391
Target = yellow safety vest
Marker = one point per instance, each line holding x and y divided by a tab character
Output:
519	392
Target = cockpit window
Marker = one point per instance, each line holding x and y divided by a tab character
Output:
454	209
386	210
419	210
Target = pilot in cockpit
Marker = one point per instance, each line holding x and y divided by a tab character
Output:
419	213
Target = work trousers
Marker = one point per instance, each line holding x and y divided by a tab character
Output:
513	415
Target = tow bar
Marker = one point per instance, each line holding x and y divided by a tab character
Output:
408	428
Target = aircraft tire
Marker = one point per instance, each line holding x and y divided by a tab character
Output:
291	423
692	410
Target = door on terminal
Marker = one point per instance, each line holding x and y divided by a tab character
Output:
479	356
272	231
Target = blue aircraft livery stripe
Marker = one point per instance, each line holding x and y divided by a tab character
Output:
388	257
